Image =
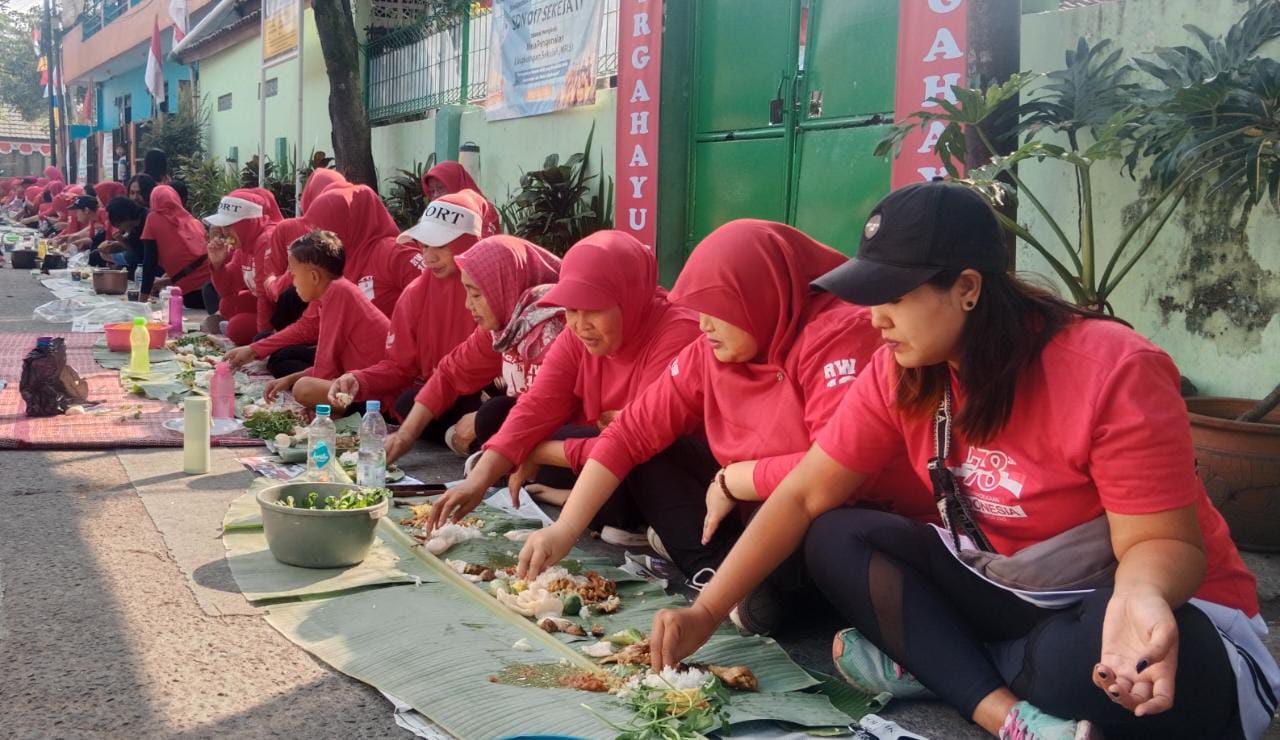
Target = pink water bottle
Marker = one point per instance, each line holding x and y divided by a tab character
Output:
222	391
175	311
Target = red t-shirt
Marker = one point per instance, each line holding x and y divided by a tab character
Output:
353	332
1097	424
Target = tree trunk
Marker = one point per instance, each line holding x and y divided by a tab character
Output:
995	34
351	140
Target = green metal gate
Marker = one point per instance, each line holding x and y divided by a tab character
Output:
789	98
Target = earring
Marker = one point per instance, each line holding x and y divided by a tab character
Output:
968	305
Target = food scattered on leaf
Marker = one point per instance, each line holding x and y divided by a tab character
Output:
269	424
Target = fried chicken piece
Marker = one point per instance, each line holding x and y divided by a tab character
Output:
738	677
636	654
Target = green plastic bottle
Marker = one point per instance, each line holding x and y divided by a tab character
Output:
139	347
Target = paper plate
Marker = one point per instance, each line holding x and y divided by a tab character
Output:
220	426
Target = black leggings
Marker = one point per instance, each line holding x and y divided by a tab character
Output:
668	492
289	308
897	583
290	360
436	429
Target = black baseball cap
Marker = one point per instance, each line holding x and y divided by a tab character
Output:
912	235
87	202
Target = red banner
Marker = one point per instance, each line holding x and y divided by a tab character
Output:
23	147
932	42
639	82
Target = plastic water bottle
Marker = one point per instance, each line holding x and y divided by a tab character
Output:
322	440
222	391
139	347
175	311
371	470
164	304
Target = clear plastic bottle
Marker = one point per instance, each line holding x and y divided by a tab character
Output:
222	391
322	440
371	470
139	347
164	304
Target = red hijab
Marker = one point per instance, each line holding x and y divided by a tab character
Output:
504	267
454	176
179	236
52	173
755	275
108	191
361	221
612	268
274	260
319	181
32	194
251	232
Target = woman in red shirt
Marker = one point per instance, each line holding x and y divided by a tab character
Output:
624	332
1034	420
174	243
241	228
429	321
772	349
503	277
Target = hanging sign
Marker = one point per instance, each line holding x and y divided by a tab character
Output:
542	56
639	82
107	151
932	42
280	19
82	161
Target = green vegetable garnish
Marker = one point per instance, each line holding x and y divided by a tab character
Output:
267	424
572	605
628	636
353	498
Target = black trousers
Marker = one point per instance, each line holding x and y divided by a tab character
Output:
667	492
436	429
288	308
895	581
289	360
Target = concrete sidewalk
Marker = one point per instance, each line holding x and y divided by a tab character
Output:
119	616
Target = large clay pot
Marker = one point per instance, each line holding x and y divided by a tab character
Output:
1239	463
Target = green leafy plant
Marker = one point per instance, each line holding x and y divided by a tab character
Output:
180	135
556	206
207	181
1211	123
406	201
279	178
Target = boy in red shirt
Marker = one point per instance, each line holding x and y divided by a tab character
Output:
353	332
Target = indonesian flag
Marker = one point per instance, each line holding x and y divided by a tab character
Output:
181	23
86	106
155	64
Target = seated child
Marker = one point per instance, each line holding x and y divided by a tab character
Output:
353	332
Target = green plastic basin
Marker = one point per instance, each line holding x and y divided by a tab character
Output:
313	538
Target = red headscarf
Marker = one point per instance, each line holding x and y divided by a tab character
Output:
251	232
179	237
32	194
108	191
358	217
319	181
52	173
755	275
612	268
55	187
504	267
275	258
454	177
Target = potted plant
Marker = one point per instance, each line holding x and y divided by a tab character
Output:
1209	127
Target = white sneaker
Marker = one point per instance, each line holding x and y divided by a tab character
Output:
880	728
623	538
471	461
450	437
655	542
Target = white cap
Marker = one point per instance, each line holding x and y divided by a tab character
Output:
231	210
441	223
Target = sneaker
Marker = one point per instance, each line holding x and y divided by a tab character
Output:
1026	722
865	666
875	727
450	440
623	538
760	613
656	543
470	462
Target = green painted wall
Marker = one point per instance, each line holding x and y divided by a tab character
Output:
235	70
1206	295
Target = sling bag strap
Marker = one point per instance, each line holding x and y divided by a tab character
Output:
953	505
195	264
